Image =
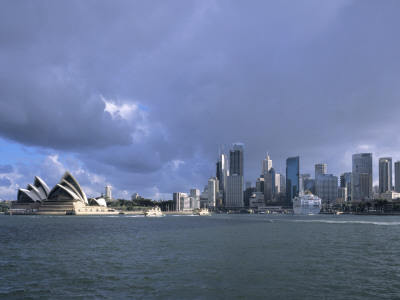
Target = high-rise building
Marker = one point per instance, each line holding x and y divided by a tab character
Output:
236	159
361	180
266	165
234	197
320	170
327	188
222	174
108	193
272	185
213	193
385	175
292	178
397	176
345	182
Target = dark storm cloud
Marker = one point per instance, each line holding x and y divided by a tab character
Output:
310	78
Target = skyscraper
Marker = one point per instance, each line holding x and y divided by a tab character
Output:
320	170
292	178
234	197
272	185
397	176
266	165
361	180
236	159
213	193
108	193
345	182
222	174
385	174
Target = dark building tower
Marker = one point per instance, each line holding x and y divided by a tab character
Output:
236	160
292	178
234	195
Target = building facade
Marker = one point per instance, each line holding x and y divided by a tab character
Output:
327	188
222	175
266	165
397	176
235	180
320	170
361	180
385	175
292	178
108	195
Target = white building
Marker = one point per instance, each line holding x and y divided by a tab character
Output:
266	165
195	198
108	193
213	193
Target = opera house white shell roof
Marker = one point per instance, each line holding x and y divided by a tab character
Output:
67	190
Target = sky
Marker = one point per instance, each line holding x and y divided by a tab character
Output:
141	95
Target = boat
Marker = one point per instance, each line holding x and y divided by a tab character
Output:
203	212
155	212
307	204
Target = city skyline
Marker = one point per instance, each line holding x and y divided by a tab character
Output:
139	96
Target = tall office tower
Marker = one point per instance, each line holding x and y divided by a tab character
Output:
266	165
385	174
345	182
222	174
236	159
272	185
320	170
361	180
328	188
108	193
213	193
234	198
397	176
292	178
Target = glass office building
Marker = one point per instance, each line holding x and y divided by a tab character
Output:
292	178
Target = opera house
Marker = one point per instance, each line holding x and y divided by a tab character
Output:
65	198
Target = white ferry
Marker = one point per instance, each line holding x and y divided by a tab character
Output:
307	204
203	212
155	212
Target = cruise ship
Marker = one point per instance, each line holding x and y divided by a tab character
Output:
307	204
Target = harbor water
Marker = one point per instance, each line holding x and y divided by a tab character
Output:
221	256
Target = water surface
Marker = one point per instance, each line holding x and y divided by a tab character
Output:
192	257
